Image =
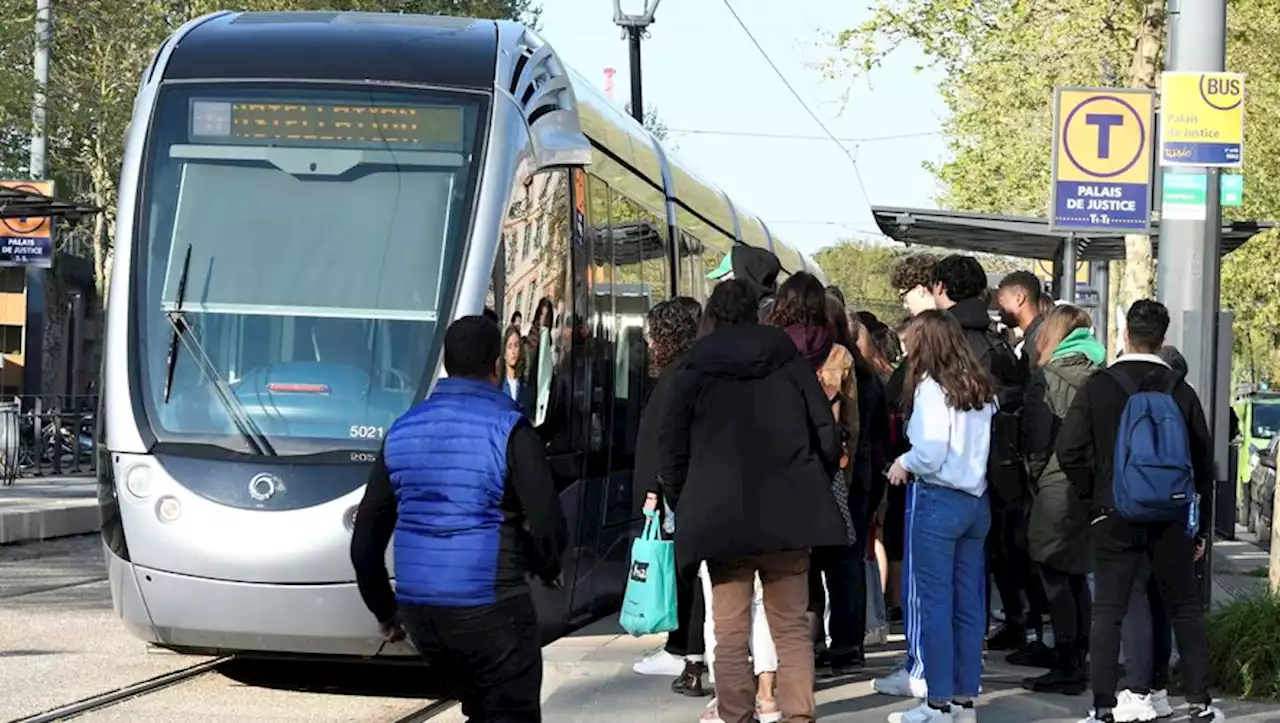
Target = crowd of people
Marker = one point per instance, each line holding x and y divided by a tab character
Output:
955	453
822	475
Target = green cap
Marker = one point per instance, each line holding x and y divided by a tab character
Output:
724	269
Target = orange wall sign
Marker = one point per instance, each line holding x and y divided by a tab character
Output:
27	241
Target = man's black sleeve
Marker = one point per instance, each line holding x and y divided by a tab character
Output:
375	523
1075	442
535	488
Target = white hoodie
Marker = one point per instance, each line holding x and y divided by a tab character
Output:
949	448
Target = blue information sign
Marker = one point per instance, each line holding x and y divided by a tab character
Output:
1102	160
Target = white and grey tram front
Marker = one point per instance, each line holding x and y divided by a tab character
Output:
306	201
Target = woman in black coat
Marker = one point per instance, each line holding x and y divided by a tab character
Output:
748	449
672	328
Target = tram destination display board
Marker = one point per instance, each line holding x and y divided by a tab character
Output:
343	125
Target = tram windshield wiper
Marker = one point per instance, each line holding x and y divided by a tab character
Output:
183	335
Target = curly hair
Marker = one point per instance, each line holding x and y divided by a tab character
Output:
938	349
915	270
801	301
961	276
672	330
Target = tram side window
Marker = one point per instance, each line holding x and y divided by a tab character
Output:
602	286
538	223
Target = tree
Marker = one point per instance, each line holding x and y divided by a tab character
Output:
652	122
1002	59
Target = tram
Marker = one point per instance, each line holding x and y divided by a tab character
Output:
306	201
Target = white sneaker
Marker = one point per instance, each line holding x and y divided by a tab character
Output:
1209	715
960	714
921	714
1133	708
899	683
660	663
1160	701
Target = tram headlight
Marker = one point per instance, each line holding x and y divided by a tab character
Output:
349	518
168	509
138	481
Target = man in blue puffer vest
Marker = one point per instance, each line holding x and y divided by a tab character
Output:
464	486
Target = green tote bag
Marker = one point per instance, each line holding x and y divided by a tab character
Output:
650	603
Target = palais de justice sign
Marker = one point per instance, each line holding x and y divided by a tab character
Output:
1102	145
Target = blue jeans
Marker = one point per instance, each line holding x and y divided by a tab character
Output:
948	532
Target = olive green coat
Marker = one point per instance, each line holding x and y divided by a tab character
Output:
1058	526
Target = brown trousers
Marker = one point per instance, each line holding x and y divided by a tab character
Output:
785	579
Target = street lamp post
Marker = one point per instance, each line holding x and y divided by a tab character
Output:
634	26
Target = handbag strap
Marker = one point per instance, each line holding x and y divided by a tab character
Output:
651	526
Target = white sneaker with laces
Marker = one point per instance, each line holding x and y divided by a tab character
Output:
1160	701
899	683
1134	708
922	714
660	663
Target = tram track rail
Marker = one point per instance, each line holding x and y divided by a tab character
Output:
427	712
134	690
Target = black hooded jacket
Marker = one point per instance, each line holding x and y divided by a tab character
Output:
1006	474
748	449
759	269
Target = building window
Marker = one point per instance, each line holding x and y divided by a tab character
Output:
10	339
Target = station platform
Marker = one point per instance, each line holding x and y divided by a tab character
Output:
44	508
587	677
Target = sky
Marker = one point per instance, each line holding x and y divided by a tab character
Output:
701	72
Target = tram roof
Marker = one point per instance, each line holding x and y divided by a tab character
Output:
1021	236
454	52
18	203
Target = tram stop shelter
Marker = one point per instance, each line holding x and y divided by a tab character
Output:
21	209
21	203
1030	238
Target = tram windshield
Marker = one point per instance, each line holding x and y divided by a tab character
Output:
297	253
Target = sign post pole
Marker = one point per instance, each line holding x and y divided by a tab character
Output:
1202	131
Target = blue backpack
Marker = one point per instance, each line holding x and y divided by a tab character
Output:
1153	480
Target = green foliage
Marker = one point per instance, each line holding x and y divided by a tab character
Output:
1244	648
652	122
1001	60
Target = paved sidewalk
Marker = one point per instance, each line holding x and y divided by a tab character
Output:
587	677
42	508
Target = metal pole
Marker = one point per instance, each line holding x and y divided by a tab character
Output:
634	33
1068	269
41	68
33	350
1101	280
1189	251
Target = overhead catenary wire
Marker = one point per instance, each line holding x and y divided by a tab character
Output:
800	137
862	187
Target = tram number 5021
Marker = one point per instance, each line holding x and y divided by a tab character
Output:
360	431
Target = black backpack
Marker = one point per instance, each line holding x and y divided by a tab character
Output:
1006	471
